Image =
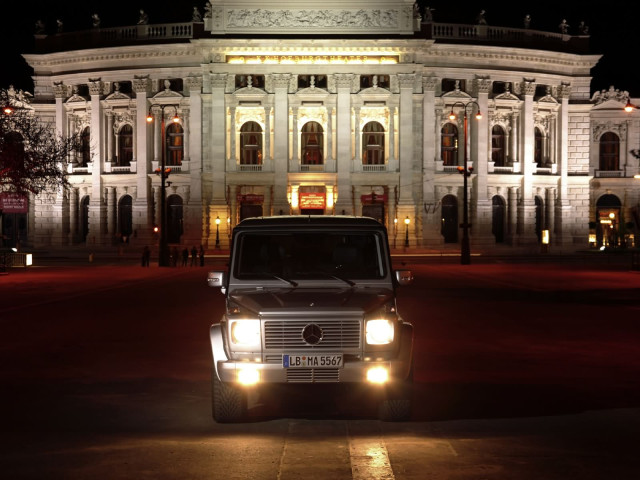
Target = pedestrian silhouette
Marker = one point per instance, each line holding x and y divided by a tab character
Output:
146	256
194	256
185	256
201	256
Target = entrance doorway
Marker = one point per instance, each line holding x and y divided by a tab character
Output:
449	219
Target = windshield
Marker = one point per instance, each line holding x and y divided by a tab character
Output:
310	255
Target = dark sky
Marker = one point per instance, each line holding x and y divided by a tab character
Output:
614	30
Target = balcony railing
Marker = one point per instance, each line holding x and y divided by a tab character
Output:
374	168
249	168
609	173
444	32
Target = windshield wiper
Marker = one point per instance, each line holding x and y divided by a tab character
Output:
335	277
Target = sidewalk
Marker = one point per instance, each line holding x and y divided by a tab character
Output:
129	255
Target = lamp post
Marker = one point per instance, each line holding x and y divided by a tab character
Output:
163	171
465	170
395	231
218	232
407	221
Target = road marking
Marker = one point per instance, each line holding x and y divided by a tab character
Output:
368	455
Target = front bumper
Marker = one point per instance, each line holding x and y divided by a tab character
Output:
353	371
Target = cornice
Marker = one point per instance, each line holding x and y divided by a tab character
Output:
109	55
509	56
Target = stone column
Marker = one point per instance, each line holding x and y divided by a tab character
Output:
73	215
330	136
512	223
563	205
233	155
97	208
527	207
295	136
193	130
112	213
358	152
60	93
142	208
110	137
480	209
281	142
343	142
550	213
515	136
392	137
267	158
431	223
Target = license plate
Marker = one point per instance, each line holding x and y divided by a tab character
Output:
312	361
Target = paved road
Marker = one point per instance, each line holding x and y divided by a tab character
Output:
524	371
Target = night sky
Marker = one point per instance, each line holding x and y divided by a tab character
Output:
614	30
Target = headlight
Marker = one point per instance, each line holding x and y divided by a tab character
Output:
379	332
245	332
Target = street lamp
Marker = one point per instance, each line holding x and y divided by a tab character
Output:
465	170
218	232
407	221
163	171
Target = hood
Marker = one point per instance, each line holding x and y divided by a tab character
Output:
310	300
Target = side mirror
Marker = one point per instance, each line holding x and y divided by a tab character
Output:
404	277
216	279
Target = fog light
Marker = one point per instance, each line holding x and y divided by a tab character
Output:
248	376
377	375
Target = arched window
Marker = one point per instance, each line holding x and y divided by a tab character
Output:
85	147
125	146
497	146
537	148
251	144
373	144
449	144
175	144
609	151
312	143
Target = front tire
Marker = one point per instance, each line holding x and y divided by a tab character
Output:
396	405
228	402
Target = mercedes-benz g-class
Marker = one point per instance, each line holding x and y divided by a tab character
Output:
310	300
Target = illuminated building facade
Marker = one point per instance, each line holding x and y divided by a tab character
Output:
320	108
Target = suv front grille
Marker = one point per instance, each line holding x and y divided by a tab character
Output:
337	334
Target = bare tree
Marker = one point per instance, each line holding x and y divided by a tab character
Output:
33	157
